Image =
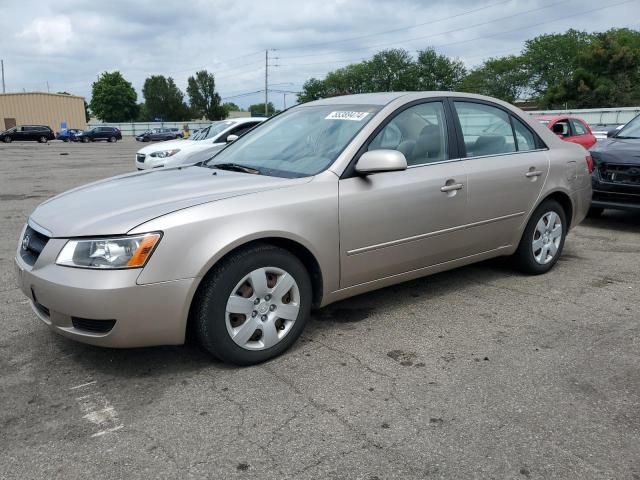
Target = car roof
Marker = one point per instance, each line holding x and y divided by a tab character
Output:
245	119
550	118
385	98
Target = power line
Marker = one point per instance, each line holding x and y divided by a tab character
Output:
486	35
404	28
459	29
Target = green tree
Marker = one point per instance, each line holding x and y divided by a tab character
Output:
312	89
230	107
552	59
113	99
434	71
204	100
163	99
258	109
388	70
504	78
608	73
87	113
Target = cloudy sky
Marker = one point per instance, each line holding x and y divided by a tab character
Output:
67	43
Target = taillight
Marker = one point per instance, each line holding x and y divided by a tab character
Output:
589	160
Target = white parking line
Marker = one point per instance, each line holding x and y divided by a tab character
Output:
98	410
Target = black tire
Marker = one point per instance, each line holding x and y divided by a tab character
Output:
85	139
524	256
66	140
595	212
42	140
113	139
7	139
209	317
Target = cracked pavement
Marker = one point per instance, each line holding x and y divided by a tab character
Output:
479	372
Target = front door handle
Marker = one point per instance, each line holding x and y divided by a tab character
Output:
533	173
451	187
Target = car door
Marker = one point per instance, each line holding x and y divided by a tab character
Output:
396	222
581	134
505	172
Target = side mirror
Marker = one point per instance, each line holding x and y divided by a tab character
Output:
612	132
377	161
232	138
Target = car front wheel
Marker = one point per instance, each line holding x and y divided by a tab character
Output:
112	139
42	140
543	239
7	139
85	139
253	305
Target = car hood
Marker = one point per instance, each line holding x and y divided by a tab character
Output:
114	206
617	150
167	145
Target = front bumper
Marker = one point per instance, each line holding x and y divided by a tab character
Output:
71	301
615	196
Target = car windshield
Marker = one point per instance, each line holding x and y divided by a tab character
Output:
630	130
301	142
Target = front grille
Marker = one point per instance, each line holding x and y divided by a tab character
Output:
140	157
623	174
93	326
32	244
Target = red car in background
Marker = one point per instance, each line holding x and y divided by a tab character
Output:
569	129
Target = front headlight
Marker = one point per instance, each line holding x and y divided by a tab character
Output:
109	253
165	153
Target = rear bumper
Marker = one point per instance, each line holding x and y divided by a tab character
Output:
107	308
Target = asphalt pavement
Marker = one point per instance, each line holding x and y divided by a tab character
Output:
476	373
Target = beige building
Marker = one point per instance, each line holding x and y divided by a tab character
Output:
37	108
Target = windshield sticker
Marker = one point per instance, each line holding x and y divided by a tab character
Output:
353	116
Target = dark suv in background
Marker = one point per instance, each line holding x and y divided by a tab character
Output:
158	134
38	133
110	134
616	176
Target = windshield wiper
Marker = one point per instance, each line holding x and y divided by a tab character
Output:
625	137
235	167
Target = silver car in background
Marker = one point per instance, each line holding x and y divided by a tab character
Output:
327	200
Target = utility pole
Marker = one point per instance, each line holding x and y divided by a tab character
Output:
266	82
2	68
48	90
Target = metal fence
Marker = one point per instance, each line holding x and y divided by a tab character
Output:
133	129
598	118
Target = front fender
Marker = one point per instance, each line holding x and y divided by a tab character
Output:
196	238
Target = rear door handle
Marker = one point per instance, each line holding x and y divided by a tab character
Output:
533	173
452	187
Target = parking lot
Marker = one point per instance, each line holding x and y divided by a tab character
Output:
475	373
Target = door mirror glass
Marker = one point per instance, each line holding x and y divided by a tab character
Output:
377	161
232	138
612	132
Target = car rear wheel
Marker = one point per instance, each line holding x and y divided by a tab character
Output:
543	239
113	139
7	139
65	140
253	305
